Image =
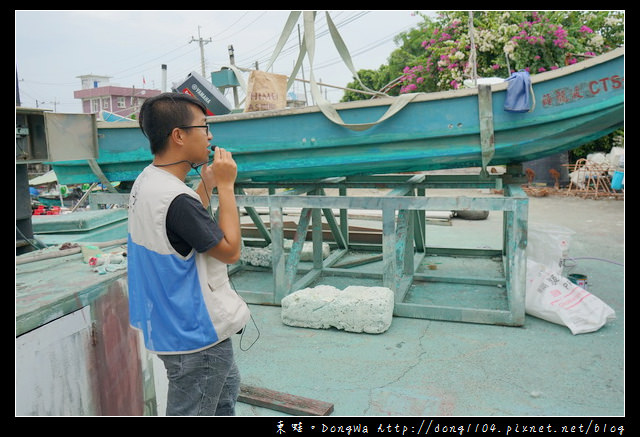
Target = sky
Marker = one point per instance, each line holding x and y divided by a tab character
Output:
54	47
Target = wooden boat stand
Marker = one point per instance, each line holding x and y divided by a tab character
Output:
400	259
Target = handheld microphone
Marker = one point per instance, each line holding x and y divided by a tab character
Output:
195	166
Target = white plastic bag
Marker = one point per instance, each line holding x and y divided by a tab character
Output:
554	298
548	244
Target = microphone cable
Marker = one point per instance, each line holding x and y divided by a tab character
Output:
195	166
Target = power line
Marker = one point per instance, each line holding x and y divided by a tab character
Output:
156	58
240	30
291	47
231	26
181	60
364	49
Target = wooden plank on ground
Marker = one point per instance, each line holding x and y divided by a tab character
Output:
287	403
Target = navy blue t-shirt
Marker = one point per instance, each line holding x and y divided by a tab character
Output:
189	226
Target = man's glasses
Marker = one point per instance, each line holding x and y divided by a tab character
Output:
205	126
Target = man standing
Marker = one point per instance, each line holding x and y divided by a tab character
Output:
179	291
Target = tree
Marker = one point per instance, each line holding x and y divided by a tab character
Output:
507	41
372	79
436	55
387	77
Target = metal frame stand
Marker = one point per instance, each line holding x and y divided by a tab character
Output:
396	262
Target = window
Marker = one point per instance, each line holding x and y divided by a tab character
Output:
121	102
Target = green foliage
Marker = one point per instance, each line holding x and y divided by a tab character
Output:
436	55
507	41
374	80
604	145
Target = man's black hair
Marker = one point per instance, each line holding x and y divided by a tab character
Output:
160	114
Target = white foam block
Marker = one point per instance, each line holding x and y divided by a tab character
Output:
261	256
354	309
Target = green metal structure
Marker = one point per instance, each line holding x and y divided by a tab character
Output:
492	292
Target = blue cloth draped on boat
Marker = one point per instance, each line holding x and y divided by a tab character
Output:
519	92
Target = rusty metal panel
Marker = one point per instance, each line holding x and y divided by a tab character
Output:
119	381
75	351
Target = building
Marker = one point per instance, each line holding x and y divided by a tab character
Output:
103	99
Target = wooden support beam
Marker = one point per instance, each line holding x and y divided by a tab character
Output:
255	217
292	261
287	403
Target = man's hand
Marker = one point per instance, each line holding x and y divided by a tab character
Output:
222	172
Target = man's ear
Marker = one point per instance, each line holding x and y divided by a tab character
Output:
177	136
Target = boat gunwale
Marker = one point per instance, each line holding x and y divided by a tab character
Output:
386	101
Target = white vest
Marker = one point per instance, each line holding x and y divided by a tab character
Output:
180	303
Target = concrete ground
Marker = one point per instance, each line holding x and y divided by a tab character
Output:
436	368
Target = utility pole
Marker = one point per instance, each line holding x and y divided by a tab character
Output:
54	103
202	43
17	89
232	61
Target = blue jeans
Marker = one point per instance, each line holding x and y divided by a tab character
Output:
204	383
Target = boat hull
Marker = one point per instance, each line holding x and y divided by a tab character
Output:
573	105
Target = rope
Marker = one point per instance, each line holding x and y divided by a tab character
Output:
308	49
473	51
325	106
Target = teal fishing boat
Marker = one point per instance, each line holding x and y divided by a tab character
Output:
452	129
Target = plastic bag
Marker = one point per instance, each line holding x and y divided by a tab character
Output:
266	91
548	244
555	299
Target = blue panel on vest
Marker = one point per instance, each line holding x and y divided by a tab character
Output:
166	302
